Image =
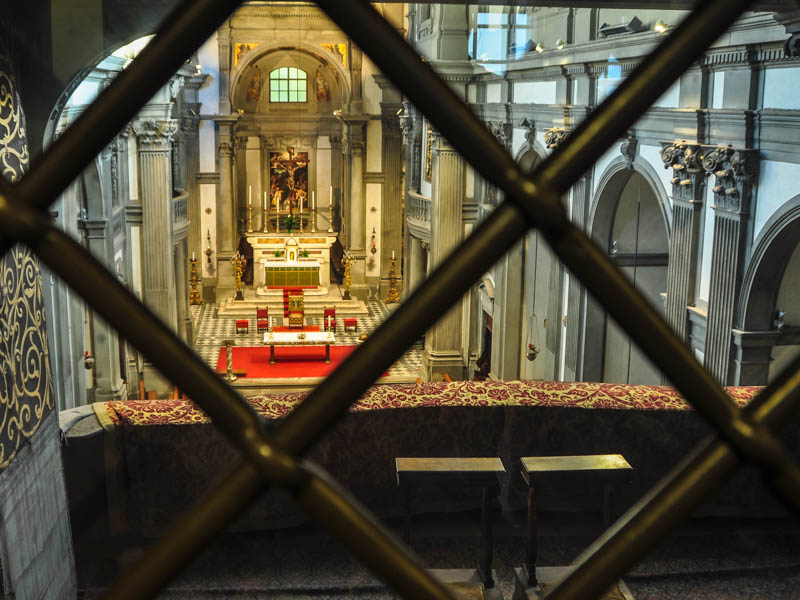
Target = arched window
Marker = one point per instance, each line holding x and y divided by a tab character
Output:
288	84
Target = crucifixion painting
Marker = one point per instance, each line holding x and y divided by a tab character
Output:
288	180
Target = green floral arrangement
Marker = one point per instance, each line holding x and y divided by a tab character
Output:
278	253
305	254
290	222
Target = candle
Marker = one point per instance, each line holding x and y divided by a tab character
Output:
330	199
392	254
192	255
250	196
313	203
301	204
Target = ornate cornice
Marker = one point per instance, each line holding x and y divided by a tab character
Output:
688	173
155	135
735	171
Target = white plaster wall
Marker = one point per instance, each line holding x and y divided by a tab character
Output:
208	95
777	183
323	191
494	93
208	222
719	88
601	165
708	242
374	146
535	92
372	94
517	140
373	219
605	86
780	88
670	98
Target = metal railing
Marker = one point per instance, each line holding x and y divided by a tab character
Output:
532	201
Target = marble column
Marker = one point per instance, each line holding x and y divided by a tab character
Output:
355	205
443	352
240	187
688	191
391	210
337	187
158	277
576	293
226	215
735	172
105	341
182	291
416	264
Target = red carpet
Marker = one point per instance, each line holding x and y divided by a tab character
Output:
293	361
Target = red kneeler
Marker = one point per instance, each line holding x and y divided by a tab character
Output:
351	323
242	326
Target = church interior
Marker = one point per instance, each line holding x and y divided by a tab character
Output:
280	201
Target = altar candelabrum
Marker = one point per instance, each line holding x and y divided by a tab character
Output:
250	217
209	252
348	281
239	262
194	295
393	295
265	223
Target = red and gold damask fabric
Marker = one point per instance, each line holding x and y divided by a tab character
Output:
461	393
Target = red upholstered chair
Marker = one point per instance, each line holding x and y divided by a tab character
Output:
351	322
262	319
242	325
329	312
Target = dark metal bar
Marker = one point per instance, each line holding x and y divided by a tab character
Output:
331	399
675	497
538	198
190	24
229	412
189	534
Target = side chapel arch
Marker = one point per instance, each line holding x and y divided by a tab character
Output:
602	216
241	72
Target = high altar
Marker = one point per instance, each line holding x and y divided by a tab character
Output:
299	259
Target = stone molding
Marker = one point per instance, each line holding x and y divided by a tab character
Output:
502	131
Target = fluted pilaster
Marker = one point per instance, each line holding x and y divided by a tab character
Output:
155	182
735	171
688	191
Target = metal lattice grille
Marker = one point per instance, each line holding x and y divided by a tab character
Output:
274	457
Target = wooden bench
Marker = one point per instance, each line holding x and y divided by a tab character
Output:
604	469
468	472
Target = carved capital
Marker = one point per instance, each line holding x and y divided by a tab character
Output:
688	173
735	171
155	135
555	136
502	131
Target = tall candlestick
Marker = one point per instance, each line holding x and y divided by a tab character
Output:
278	219
301	214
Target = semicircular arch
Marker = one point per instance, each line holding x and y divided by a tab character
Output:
762	279
263	50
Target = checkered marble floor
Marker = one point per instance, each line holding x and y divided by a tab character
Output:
211	330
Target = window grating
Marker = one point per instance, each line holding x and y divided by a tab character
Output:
288	84
533	201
